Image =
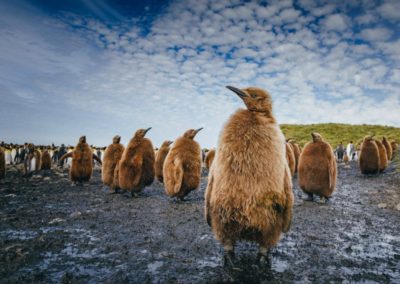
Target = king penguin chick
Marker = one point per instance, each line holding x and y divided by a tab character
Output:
383	156
111	157
46	160
369	160
296	151
209	158
136	167
249	193
388	147
291	159
161	154
82	161
317	168
182	166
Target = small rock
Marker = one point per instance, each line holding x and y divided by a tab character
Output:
398	207
57	220
382	205
47	178
75	214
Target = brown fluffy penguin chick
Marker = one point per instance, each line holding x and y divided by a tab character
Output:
383	156
111	157
160	158
346	158
296	152
394	146
209	158
2	164
317	168
290	158
249	193
136	167
82	161
182	166
46	161
388	147
369	160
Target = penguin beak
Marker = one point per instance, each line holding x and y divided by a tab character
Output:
237	91
197	130
170	142
147	130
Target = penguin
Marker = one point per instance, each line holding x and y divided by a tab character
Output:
369	160
209	158
2	163
111	157
394	146
81	161
8	157
182	166
136	166
296	151
249	192
346	158
161	154
45	161
32	159
317	168
290	158
13	153
388	148
383	156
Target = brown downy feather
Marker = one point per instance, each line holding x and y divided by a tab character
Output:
290	158
317	168
369	160
383	156
160	159
249	193
209	158
388	147
46	160
111	157
136	166
182	166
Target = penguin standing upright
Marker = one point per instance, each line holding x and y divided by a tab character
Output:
46	160
2	163
111	157
209	158
249	193
81	161
161	154
388	147
317	169
291	159
182	166
136	166
369	160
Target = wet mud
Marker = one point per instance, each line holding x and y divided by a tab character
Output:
53	232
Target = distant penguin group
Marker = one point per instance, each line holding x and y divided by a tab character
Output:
375	155
2	163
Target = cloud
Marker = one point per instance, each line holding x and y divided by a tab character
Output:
390	10
171	75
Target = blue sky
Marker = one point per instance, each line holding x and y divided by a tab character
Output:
102	68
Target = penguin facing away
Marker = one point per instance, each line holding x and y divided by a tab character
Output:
388	147
369	160
317	168
81	161
291	159
209	158
111	157
249	193
383	156
136	166
46	160
161	154
182	166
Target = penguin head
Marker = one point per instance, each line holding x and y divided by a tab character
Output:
369	137
116	139
191	133
82	139
140	133
254	98
166	143
316	137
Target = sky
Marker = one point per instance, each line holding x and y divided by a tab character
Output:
102	68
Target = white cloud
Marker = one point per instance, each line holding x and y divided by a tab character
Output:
390	10
375	34
336	22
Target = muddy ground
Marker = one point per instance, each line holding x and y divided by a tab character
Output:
51	231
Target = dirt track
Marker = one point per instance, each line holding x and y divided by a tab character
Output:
51	231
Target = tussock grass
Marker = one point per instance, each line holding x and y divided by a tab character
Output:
335	133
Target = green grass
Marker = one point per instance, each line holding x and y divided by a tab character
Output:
335	133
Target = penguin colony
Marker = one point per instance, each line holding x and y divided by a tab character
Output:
242	202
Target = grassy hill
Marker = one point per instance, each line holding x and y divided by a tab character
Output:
335	133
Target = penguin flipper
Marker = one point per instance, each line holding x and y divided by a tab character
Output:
178	175
287	213
207	199
65	156
95	157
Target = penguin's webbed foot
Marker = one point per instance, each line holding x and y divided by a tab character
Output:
325	200
310	197
228	259
264	257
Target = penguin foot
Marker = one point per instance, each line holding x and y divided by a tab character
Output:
264	259
134	194
310	197
325	200
228	259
